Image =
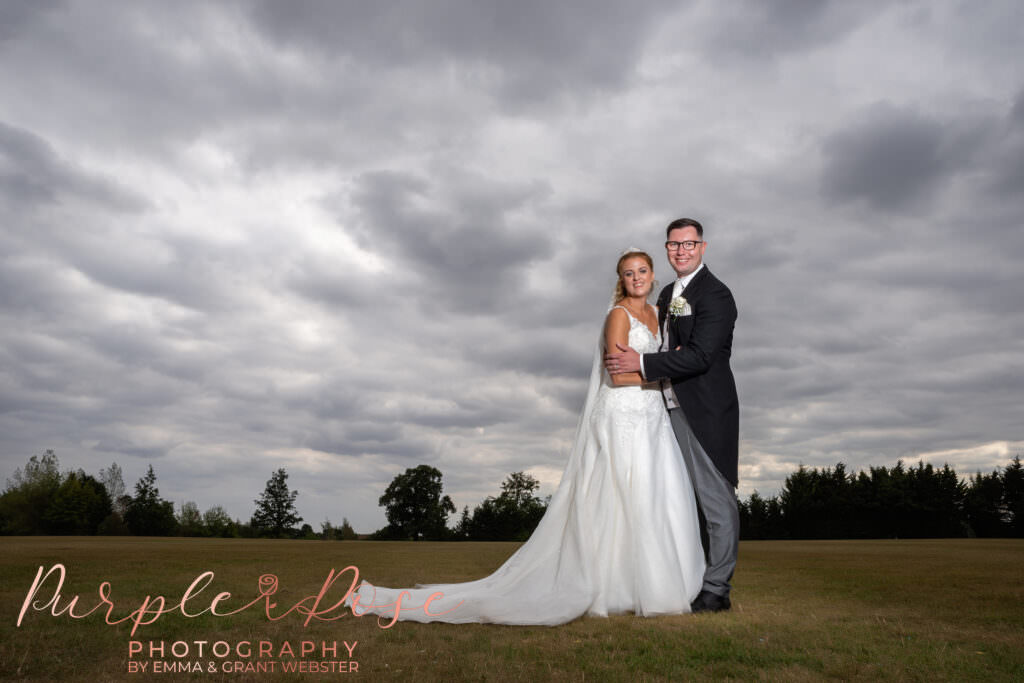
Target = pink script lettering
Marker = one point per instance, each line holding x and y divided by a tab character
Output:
151	608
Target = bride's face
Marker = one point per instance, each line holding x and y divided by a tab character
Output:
637	277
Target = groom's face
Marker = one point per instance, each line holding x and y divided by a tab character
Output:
685	261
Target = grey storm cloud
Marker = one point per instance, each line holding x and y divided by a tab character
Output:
467	247
523	52
892	159
1008	176
18	16
753	30
349	238
33	175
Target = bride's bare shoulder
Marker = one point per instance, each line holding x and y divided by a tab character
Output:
616	319
617	311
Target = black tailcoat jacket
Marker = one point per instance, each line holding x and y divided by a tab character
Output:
699	370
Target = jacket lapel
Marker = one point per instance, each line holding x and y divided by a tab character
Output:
663	306
694	285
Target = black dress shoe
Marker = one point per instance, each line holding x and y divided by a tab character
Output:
707	601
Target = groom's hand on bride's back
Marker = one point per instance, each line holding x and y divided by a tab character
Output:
626	360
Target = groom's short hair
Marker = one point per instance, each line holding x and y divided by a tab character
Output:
684	223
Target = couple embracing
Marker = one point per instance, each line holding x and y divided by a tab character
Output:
654	458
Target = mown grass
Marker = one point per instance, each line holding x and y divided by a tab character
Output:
942	610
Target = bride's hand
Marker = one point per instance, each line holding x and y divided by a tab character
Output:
626	361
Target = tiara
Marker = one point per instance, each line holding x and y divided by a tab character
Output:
632	250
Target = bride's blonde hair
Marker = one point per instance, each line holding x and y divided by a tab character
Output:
620	291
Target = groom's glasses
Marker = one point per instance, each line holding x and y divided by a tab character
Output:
688	245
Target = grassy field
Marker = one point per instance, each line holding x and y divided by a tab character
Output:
803	611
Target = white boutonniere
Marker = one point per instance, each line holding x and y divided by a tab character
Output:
679	307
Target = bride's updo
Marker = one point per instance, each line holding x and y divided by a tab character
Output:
620	291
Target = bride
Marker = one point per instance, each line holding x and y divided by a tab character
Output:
620	533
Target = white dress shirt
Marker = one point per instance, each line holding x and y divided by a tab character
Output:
666	384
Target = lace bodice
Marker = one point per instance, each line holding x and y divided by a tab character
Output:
640	337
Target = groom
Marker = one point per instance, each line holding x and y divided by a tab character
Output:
697	314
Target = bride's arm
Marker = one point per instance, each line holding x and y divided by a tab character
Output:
616	331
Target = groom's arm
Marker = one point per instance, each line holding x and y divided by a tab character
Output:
713	324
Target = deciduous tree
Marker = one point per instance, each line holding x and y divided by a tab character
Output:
415	507
512	516
79	506
190	521
113	480
29	494
218	522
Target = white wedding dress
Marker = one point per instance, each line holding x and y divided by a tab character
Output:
620	533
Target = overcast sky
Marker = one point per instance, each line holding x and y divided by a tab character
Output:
348	238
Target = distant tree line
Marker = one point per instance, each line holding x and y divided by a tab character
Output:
41	500
417	510
894	502
511	516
